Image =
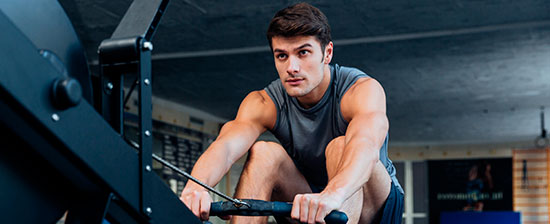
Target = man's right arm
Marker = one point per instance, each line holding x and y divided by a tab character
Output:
256	114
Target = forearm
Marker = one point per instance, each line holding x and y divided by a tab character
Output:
353	173
364	138
211	166
234	141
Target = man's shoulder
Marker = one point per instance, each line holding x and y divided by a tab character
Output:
347	71
347	77
258	107
258	97
365	95
368	83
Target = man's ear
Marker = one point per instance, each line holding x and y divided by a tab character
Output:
328	52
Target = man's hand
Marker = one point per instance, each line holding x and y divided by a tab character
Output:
312	208
198	201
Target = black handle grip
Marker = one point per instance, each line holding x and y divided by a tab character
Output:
266	208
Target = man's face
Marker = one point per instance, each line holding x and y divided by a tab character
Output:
300	63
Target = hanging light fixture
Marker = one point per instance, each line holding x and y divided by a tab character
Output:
542	140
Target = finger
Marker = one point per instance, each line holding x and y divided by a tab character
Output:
205	205
322	212
225	217
313	205
295	213
195	203
304	204
186	199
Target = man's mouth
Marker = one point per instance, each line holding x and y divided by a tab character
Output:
294	81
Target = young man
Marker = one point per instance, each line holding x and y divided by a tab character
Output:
332	125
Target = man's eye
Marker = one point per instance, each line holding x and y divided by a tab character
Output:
281	56
303	52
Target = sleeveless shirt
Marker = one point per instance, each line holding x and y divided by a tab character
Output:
305	133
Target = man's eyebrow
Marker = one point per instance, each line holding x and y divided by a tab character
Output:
276	50
303	46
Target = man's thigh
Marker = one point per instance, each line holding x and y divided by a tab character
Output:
375	194
289	180
392	211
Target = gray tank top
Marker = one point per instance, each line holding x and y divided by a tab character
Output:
305	133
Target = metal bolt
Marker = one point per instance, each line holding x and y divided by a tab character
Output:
148	168
110	86
146	81
148	210
148	46
55	117
147	133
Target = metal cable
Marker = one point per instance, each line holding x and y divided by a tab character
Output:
236	202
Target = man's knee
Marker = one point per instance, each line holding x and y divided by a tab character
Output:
333	154
265	153
335	147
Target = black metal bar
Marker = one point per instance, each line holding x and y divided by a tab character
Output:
119	51
117	57
543	130
111	98
145	127
129	51
141	19
266	208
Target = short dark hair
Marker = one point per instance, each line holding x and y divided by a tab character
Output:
301	19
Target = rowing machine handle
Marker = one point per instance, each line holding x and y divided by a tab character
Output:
266	208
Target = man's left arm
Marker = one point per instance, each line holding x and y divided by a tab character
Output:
364	106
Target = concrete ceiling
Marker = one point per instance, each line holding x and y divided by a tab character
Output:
454	71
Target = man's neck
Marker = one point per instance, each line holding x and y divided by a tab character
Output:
313	97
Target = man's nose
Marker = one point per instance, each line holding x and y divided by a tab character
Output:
293	66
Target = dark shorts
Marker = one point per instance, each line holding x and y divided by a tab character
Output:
393	208
316	189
